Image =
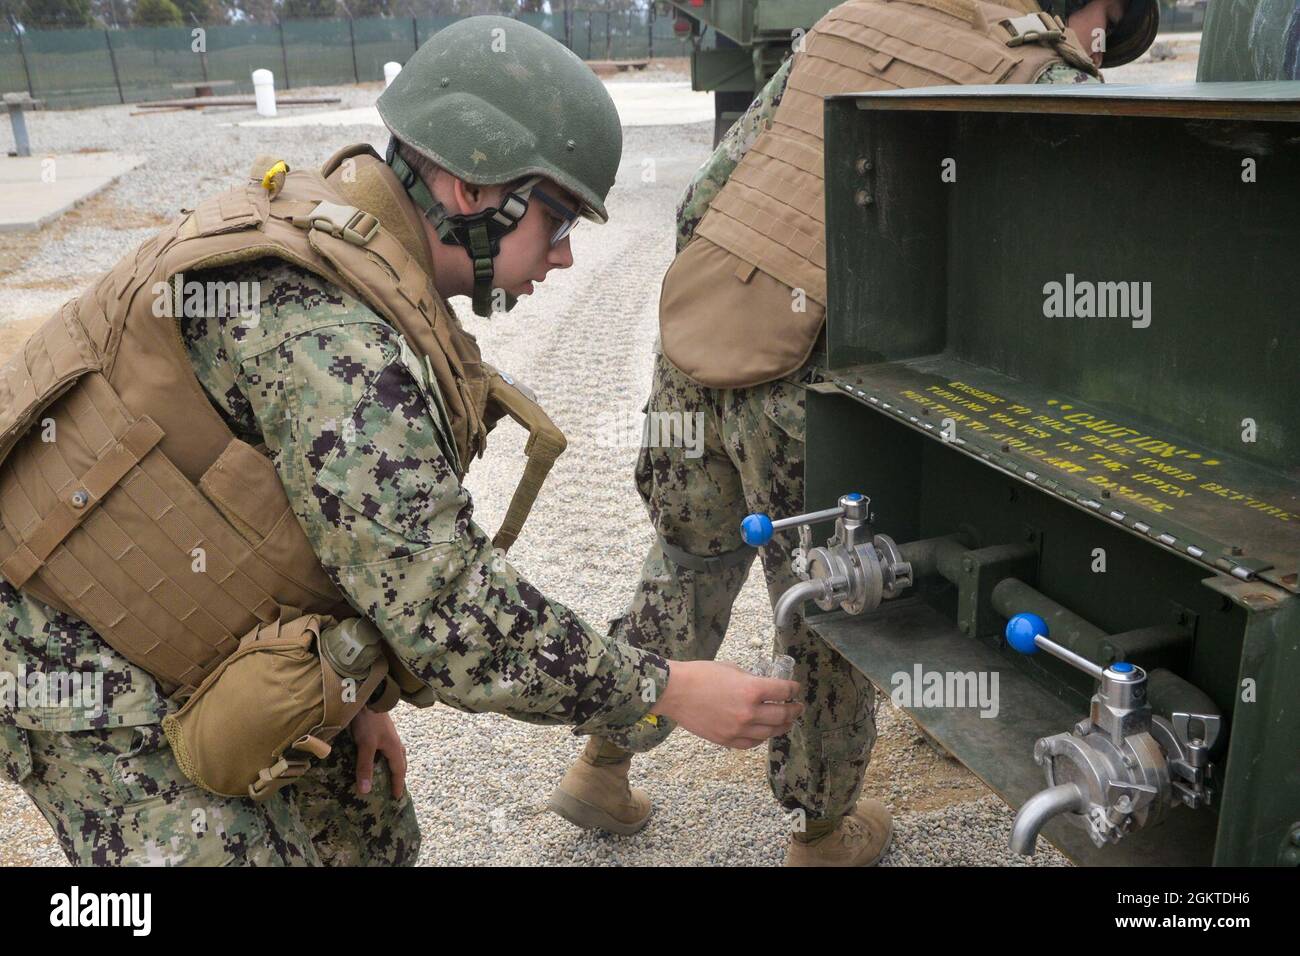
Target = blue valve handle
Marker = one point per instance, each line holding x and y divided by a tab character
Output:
756	530
1028	633
1023	631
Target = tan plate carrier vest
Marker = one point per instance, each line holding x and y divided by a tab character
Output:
771	211
115	468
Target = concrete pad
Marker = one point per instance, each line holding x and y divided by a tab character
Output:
358	116
639	104
660	104
28	202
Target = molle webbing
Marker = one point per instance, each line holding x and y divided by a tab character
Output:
124	498
771	211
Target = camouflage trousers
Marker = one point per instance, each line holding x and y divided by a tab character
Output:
117	797
748	457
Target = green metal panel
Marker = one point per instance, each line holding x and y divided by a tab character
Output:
734	19
745	21
1250	40
761	29
1263	772
786	16
951	399
726	69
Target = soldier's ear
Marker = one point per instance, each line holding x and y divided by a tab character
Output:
466	197
471	198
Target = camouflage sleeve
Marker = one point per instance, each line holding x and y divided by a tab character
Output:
713	175
1061	74
345	408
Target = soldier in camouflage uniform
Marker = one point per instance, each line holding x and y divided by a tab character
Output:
753	461
358	437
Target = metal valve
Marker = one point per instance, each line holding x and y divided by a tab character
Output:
1121	767
855	570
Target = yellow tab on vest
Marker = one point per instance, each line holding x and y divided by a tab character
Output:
268	178
745	271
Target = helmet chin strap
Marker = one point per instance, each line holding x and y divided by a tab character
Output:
479	234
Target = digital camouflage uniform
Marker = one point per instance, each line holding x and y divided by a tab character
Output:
344	409
752	462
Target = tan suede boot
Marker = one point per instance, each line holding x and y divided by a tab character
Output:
861	839
594	793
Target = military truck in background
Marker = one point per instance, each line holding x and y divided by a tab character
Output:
1096	503
753	37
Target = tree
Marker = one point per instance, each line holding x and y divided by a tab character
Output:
301	9
201	11
376	8
155	13
48	14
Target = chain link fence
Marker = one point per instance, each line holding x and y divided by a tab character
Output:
91	67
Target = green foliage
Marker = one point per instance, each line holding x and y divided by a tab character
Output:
45	14
377	8
301	9
202	11
155	13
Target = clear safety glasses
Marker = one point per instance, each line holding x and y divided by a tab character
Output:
568	217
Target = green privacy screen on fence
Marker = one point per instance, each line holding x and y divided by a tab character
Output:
72	68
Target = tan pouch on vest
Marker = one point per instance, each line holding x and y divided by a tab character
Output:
254	724
728	324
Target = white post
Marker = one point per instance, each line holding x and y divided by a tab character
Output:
264	90
391	69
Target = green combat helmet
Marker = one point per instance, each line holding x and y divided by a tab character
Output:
492	100
1129	39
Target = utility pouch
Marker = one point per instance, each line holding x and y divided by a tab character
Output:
254	724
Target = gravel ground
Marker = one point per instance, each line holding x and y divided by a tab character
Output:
583	341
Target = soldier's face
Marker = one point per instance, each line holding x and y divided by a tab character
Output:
526	251
1091	24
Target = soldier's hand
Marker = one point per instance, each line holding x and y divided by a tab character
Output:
375	732
729	706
